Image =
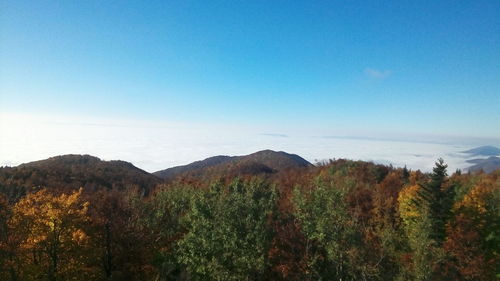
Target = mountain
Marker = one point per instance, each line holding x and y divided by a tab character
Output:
74	171
487	165
261	162
487	150
209	162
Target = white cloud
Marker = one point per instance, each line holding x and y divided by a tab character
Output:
377	74
154	146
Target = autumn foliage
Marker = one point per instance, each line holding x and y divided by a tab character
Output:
340	220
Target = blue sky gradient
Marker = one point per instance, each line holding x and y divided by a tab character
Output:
366	68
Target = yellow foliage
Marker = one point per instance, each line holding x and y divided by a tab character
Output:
476	201
47	213
476	198
79	236
50	225
407	210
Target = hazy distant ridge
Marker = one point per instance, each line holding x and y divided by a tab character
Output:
487	165
486	150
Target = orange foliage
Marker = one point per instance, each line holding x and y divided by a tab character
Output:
50	227
467	242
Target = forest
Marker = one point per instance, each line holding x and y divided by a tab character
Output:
337	220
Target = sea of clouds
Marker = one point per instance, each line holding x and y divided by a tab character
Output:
155	146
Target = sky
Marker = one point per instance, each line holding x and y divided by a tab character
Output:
225	77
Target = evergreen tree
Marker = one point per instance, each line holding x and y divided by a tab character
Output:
436	201
406	174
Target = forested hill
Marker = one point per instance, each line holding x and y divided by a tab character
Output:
75	171
339	220
197	165
261	162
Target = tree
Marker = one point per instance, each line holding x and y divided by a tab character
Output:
117	241
388	241
164	217
53	235
229	236
408	211
8	262
329	231
417	226
425	208
473	241
437	200
287	252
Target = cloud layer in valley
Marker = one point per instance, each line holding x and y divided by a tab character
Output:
155	146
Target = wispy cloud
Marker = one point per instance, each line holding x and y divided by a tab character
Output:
274	135
377	73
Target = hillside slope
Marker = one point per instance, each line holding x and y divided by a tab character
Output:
261	162
74	171
197	165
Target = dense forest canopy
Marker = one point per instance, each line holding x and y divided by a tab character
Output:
80	218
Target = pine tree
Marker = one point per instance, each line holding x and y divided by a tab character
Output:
436	201
406	174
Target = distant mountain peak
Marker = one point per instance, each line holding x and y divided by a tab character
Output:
487	165
487	150
264	161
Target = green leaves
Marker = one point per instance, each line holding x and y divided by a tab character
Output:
437	200
229	236
325	222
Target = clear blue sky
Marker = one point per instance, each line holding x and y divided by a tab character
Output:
428	67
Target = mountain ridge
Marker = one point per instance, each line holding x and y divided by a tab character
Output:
486	150
72	171
264	161
487	165
200	164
